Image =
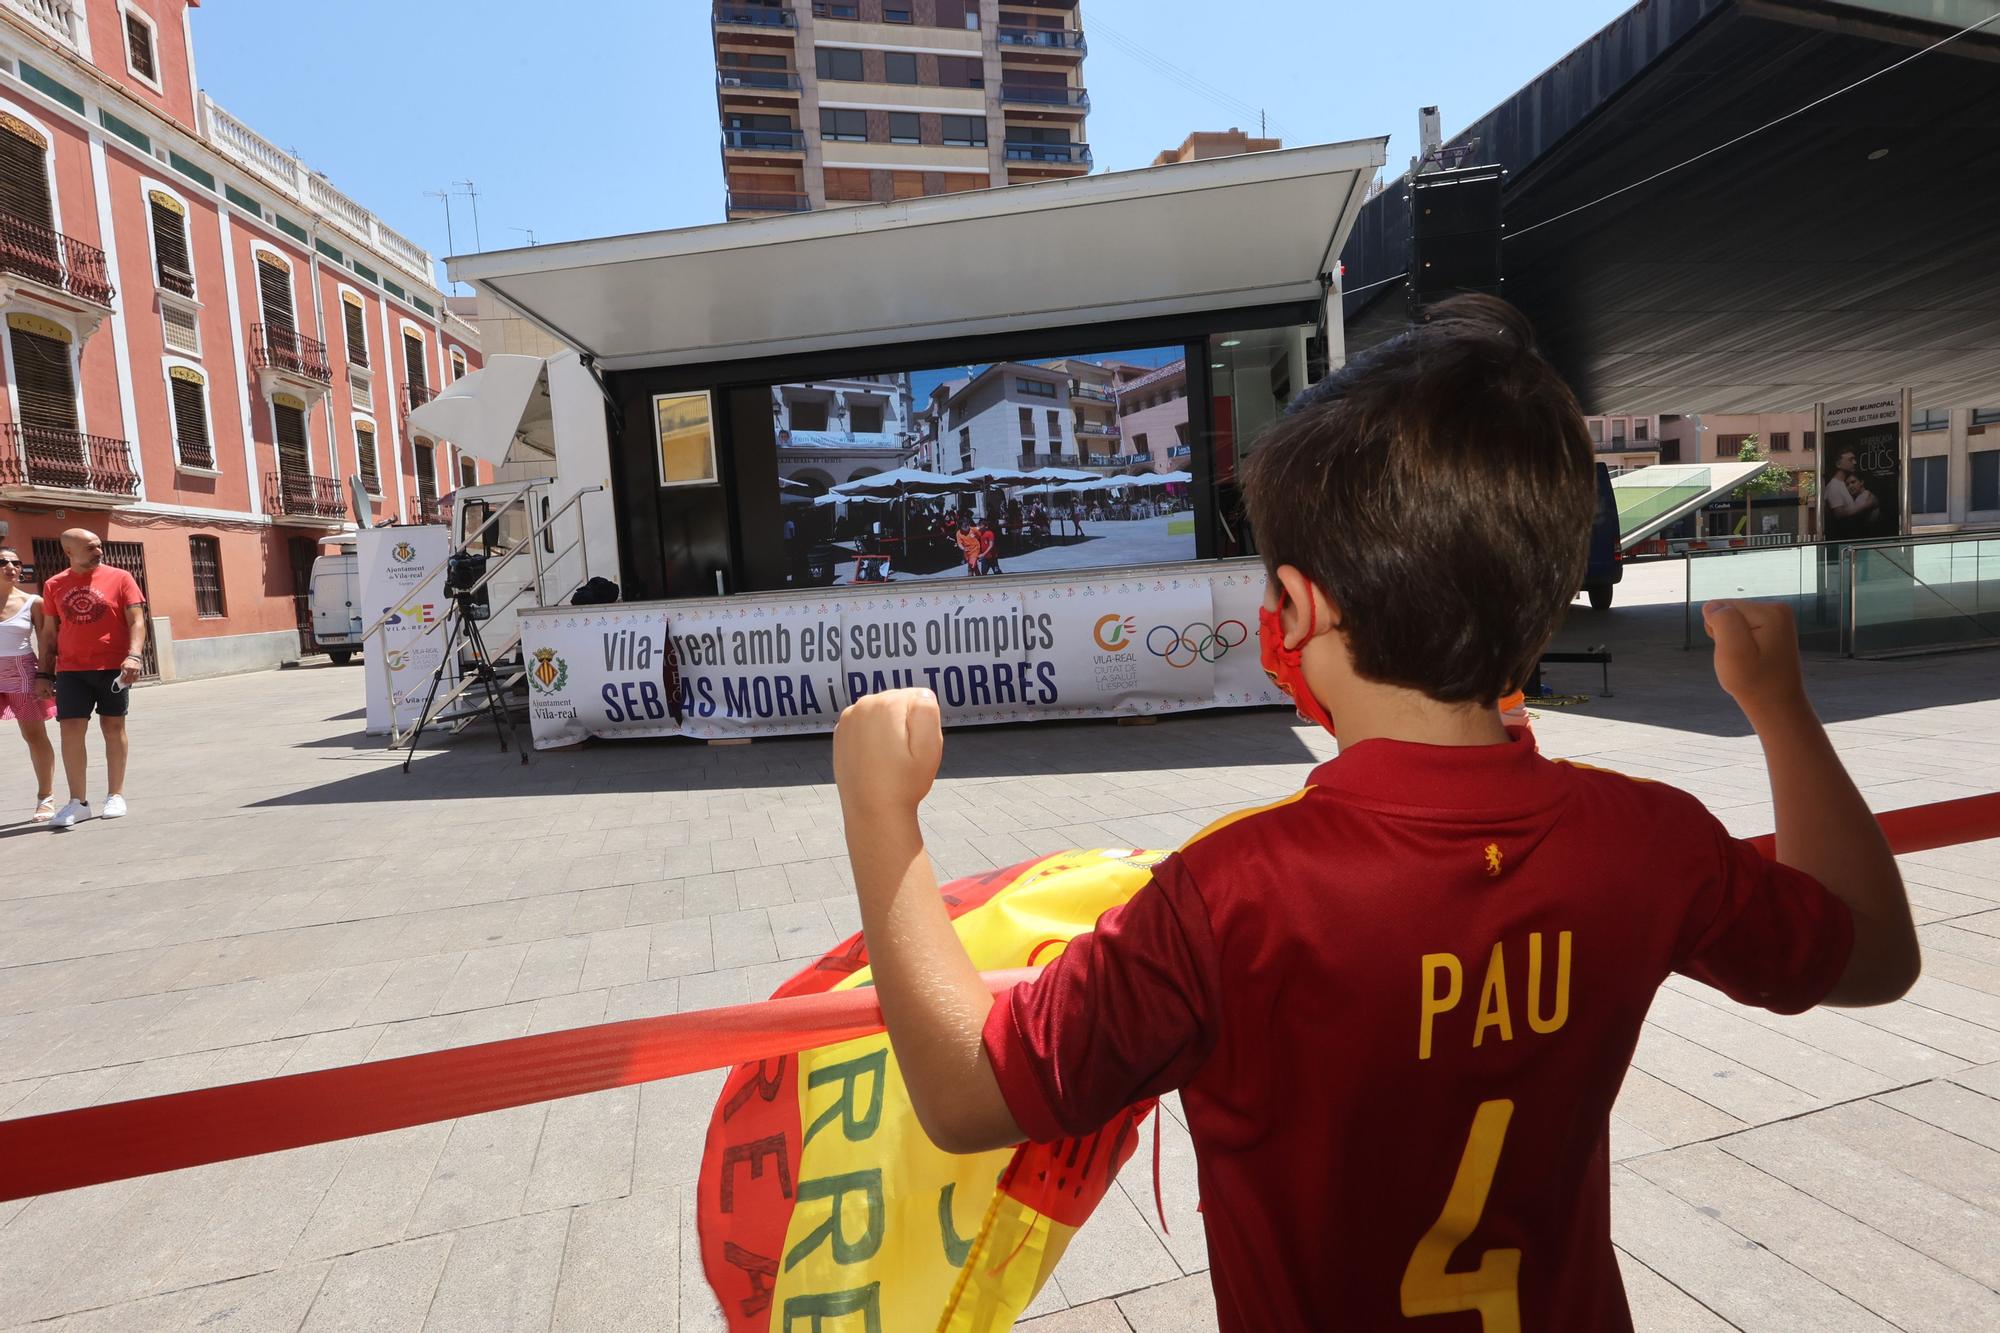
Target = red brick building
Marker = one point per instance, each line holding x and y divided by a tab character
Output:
203	337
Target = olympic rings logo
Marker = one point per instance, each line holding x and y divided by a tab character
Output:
1197	643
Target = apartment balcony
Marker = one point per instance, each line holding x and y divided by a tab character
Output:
57	18
53	463
1030	461
752	201
1056	154
1090	430
1103	460
756	25
416	395
765	143
426	511
45	272
1065	41
757	82
286	358
299	497
1095	393
1059	100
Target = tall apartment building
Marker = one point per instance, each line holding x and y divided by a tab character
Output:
833	103
203	336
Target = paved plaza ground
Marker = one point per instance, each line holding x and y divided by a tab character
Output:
282	899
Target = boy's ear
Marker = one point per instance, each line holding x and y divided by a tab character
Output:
1301	593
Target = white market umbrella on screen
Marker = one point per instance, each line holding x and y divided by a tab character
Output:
901	481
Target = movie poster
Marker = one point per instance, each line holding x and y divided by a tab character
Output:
956	474
1861	470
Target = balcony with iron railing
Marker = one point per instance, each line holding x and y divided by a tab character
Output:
1077	154
753	201
416	395
53	260
754	16
1075	99
763	141
1096	393
427	511
57	18
1090	430
300	495
1030	460
736	78
52	458
1042	39
289	352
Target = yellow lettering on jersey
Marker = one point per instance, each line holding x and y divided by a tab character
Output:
1493	998
1560	1014
1434	1002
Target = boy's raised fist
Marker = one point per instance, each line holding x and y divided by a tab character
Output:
886	750
1756	653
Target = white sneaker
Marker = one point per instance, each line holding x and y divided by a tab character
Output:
114	808
71	815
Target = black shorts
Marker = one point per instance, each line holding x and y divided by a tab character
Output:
79	693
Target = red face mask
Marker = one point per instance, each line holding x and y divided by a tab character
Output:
1283	665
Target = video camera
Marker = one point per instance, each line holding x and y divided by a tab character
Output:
462	575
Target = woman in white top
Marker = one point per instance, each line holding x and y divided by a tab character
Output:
18	664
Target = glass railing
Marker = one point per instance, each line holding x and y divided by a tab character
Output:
1665	489
1924	595
765	141
1809	579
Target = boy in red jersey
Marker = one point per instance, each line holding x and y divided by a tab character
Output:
1399	1004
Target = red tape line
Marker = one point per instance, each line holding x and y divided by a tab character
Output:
67	1150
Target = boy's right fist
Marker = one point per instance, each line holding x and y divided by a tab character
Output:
886	750
1756	653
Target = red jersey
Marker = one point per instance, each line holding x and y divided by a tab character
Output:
1399	1006
89	611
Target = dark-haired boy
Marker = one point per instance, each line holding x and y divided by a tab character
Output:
1399	1003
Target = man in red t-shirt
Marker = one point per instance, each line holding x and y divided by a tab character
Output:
93	637
1399	1004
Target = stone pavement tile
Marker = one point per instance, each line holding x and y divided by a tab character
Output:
413	988
1115	1252
84	1036
620	1267
1963	971
699	1312
330	1050
40	1246
605	909
1627	1140
384	1290
123	1255
735	985
338	1001
1968	1105
616	957
643	999
1185	1305
660	900
1954	1036
1902	1285
550	967
414	1037
802	930
1938	1224
708	894
255	1222
1667	1114
559	1013
1952	937
1898	1058
1813	1071
482	1172
1744	1282
673	1125
494	1023
1048	1300
276	1300
693	859
681	948
1721	1082
1958	1165
762	886
371	1198
542	918
1983	923
819	880
845	914
501	1276
742	938
484	977
586	1150
1180	1191
1973	1003
1097	1317
1658	1306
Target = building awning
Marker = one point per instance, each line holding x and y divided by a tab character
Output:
484	413
1652	498
1227	233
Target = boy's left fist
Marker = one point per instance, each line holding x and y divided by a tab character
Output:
886	750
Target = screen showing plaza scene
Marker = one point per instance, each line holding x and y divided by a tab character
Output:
1011	467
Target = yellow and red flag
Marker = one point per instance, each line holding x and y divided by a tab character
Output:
821	1203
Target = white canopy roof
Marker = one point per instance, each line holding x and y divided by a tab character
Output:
486	411
1228	232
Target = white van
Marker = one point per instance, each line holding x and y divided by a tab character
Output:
335	598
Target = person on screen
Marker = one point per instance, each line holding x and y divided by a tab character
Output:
1849	505
989	555
968	547
1398	1004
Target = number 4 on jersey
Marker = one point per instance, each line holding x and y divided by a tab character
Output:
1493	1287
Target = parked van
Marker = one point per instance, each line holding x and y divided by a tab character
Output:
335	598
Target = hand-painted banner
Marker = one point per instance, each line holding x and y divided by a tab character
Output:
1004	650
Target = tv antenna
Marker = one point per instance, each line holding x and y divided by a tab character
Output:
529	231
472	192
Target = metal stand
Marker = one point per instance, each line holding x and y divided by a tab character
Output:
466	626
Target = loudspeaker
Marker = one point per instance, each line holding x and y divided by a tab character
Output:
1455	232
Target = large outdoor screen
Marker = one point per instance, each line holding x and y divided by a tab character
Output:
1012	467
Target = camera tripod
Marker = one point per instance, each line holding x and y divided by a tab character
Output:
465	629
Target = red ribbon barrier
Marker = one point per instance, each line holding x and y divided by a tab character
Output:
67	1150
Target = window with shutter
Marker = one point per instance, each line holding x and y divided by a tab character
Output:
180	328
190	420
170	245
205	555
274	286
427	487
468	472
413	361
457	367
24	174
364	455
139	46
357	333
44	381
293	466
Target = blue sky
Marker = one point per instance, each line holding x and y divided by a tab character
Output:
581	129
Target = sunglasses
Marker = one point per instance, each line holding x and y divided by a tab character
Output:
15	563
